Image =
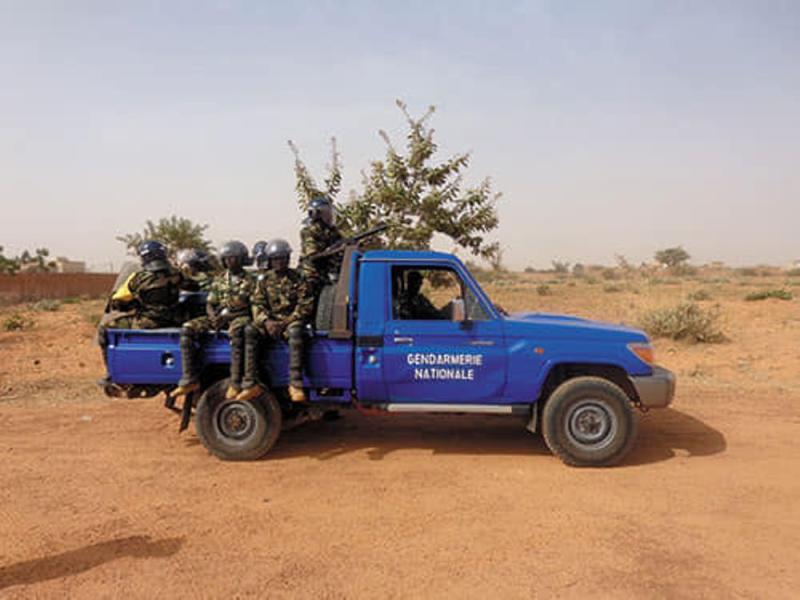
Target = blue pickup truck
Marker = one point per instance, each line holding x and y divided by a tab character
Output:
575	380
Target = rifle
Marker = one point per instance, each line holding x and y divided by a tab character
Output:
343	243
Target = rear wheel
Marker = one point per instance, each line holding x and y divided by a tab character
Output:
234	430
588	422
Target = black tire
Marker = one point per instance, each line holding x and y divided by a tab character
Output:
233	430
589	422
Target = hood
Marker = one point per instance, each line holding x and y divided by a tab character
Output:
568	327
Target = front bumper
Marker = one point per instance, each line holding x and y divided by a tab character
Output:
656	390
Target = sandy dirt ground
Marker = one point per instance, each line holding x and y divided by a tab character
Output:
103	498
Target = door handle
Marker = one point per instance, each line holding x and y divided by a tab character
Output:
482	343
404	340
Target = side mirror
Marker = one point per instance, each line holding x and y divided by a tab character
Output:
459	312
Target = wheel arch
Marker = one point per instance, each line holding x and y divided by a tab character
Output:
564	371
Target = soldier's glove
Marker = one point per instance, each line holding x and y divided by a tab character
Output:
274	328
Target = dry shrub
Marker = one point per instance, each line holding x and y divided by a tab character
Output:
17	322
684	271
699	295
543	290
686	321
766	294
611	288
610	274
46	305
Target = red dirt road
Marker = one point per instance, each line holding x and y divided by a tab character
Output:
102	498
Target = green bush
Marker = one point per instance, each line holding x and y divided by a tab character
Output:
71	300
46	305
543	289
793	272
766	294
686	321
17	322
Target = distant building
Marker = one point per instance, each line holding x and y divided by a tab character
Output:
64	265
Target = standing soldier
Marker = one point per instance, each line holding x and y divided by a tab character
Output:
148	299
319	233
227	308
276	316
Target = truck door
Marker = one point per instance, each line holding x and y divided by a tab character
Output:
429	357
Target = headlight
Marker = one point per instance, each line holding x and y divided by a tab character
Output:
644	351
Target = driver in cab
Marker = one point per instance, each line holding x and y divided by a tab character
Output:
412	304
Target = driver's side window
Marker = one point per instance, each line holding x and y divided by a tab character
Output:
427	294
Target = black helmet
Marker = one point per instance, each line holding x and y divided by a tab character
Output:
278	248
236	249
258	247
153	255
193	258
321	209
260	259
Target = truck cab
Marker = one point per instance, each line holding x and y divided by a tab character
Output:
411	331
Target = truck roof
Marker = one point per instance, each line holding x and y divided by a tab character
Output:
407	255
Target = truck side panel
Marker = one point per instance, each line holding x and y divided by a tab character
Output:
154	357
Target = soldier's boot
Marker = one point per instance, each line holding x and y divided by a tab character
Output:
237	360
295	334
250	384
102	341
190	381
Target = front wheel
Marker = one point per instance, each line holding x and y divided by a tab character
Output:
588	422
234	430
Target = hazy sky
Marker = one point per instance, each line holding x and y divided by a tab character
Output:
610	127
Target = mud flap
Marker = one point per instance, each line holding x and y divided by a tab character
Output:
533	423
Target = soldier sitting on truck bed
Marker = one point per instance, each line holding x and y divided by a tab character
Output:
275	317
227	308
259	256
196	267
148	298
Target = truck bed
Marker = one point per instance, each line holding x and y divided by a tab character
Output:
153	357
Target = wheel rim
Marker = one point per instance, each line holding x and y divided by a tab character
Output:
591	425
236	420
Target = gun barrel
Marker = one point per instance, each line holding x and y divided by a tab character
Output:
340	246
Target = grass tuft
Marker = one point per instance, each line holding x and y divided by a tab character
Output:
767	294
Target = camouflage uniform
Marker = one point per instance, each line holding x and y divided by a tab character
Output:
276	315
316	237
146	300
201	281
228	305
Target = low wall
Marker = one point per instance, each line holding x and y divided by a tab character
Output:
24	287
